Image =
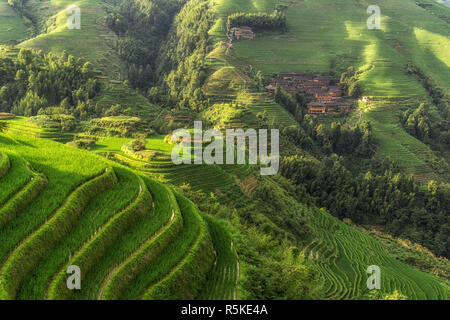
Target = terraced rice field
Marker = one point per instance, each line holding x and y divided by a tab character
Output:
342	254
201	177
135	238
15	175
260	103
228	83
93	42
132	237
165	224
154	280
22	126
326	36
115	92
410	153
224	277
320	32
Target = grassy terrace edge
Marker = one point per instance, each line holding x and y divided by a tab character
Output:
22	198
4	164
144	256
186	279
34	247
97	246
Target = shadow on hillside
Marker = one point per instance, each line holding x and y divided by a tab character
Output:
26	144
7	141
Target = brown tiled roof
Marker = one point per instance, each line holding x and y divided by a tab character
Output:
335	88
316	104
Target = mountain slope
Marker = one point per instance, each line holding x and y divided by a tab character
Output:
329	36
135	238
12	28
95	214
320	31
93	42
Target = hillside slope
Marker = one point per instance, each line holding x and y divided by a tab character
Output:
93	42
12	27
341	255
137	210
320	42
317	37
98	215
136	238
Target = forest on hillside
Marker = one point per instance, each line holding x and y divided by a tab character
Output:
35	82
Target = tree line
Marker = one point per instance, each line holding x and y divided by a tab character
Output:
21	8
434	91
381	196
350	84
142	26
428	126
181	62
261	21
36	81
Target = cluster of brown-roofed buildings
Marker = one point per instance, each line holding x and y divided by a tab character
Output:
243	32
325	93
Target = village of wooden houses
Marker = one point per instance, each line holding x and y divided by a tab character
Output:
325	93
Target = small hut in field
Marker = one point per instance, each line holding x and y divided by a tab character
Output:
243	32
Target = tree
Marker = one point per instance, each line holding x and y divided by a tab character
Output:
25	57
355	90
50	79
156	95
138	144
30	104
259	21
260	80
87	70
396	295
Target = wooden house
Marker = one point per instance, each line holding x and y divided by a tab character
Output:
316	108
323	96
335	92
243	32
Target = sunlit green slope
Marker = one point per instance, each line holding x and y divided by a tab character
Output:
325	32
107	219
325	35
12	28
132	237
93	42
